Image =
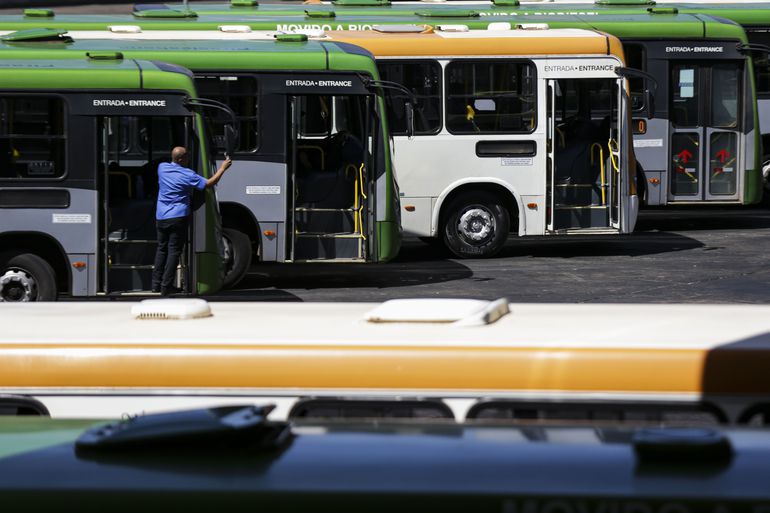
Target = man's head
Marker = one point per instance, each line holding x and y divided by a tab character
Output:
179	155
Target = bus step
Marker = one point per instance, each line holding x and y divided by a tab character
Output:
325	221
581	217
349	235
308	209
130	277
578	194
328	247
132	252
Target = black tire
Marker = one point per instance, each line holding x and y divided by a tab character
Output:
239	260
483	239
27	277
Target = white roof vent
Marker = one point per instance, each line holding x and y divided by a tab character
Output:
532	26
499	25
457	312
125	29
182	308
315	33
452	28
235	29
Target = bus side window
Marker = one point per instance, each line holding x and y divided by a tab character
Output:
240	93
761	61
32	137
490	97
635	58
423	78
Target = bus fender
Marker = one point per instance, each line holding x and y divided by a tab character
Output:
473	180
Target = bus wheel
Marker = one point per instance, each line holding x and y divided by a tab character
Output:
27	277
476	226
237	256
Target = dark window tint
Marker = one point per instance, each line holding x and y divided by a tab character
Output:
685	81
32	137
761	61
240	94
490	97
424	80
636	58
725	92
315	116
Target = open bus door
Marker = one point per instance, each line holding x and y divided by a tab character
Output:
584	182
130	150
330	179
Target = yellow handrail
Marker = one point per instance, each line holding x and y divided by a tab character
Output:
358	215
601	164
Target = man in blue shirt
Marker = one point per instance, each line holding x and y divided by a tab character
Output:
176	183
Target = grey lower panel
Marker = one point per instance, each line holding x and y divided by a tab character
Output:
326	248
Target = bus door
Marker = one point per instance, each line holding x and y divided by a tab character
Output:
704	163
583	182
330	212
130	150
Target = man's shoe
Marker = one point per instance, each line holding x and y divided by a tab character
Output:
170	291
156	289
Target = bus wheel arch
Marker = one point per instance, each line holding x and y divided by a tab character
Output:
475	219
241	237
35	269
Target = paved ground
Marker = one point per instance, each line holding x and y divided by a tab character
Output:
701	256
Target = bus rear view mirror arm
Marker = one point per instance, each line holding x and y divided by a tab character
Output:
649	92
231	131
409	104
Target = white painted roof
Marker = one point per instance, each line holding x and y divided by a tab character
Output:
527	325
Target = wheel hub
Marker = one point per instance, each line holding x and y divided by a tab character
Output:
476	224
17	286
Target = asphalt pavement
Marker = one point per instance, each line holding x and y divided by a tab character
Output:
675	256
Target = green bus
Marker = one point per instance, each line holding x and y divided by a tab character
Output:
753	16
697	136
312	178
76	139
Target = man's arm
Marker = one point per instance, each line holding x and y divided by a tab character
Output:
211	182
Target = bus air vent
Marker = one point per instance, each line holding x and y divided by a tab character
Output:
164	13
233	427
125	29
663	10
506	3
38	13
532	26
682	446
244	3
456	312
105	56
182	308
320	14
235	29
499	26
399	29
624	2
291	38
362	3
447	13
37	34
453	28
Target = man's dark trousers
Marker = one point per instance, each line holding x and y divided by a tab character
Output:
172	237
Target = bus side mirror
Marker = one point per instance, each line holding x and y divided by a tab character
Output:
409	112
230	140
649	100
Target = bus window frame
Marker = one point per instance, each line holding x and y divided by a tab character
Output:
66	113
492	60
643	109
441	93
257	118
